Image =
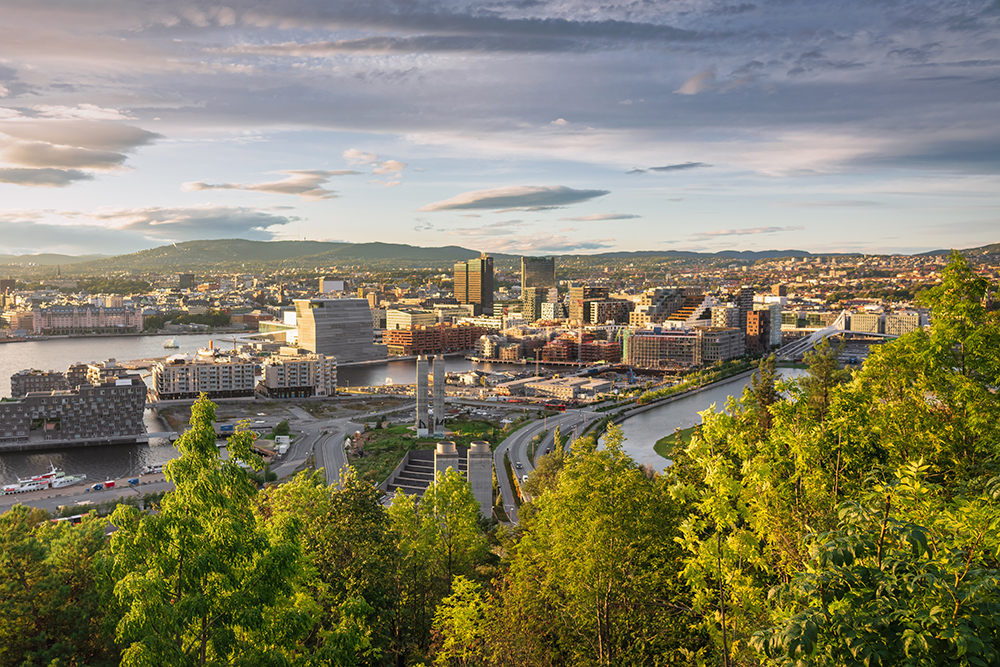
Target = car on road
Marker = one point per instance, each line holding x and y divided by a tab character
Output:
518	465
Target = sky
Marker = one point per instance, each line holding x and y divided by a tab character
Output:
521	126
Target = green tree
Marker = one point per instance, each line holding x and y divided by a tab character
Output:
824	374
594	578
762	389
204	580
459	621
908	578
56	595
348	552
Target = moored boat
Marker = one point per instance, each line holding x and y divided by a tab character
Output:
53	479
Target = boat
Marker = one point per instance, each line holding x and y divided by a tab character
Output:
53	479
152	470
170	344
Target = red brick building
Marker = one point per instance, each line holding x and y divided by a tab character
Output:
432	339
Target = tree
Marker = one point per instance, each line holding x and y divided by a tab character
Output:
763	391
436	540
57	603
204	580
460	620
887	589
594	577
824	374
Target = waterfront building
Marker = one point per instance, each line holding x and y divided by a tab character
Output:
774	325
758	331
87	318
31	380
183	377
432	339
91	414
292	374
473	284
654	306
683	348
399	318
538	272
340	328
612	310
744	301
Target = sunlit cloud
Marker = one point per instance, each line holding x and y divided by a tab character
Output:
516	197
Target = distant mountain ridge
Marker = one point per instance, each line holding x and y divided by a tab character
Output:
241	254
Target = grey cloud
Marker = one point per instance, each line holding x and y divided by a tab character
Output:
670	167
501	228
41	154
602	216
20	236
43	178
197	222
529	197
304	183
732	10
832	203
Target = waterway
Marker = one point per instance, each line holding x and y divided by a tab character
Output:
115	461
644	429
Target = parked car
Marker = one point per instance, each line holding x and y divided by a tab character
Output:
134	481
97	487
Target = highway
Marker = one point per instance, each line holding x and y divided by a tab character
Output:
516	446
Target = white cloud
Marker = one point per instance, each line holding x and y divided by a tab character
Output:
354	156
545	243
560	121
80	112
389	167
516	197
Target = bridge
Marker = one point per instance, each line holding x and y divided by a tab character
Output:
797	348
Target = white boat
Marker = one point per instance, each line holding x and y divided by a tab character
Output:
152	470
53	479
170	344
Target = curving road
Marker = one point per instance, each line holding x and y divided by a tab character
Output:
516	446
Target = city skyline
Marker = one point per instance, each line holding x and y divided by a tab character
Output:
536	128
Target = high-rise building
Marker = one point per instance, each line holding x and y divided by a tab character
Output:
340	328
532	299
474	284
579	299
745	303
7	285
538	272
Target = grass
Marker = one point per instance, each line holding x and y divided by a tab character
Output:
665	446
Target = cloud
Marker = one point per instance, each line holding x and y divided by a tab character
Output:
560	122
354	156
80	112
832	203
302	182
43	178
500	228
670	167
42	154
603	216
516	197
190	223
698	83
748	231
545	244
389	167
82	134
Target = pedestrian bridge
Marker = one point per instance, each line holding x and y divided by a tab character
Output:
799	347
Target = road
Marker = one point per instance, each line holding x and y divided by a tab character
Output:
516	446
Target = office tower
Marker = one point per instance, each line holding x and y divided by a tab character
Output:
532	299
439	396
480	473
474	284
745	303
538	272
779	290
340	328
422	425
579	299
7	285
185	280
